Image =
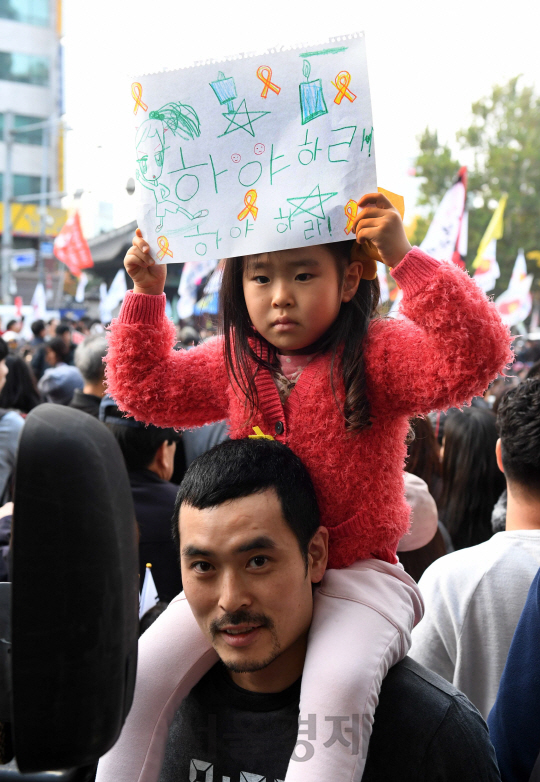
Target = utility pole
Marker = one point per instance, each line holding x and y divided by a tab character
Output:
7	240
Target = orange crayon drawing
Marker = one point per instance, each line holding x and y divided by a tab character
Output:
264	73
351	210
136	91
343	79
250	208
163	247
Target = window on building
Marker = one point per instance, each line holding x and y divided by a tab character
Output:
28	137
23	185
27	11
25	68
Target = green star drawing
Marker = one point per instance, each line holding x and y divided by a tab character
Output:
314	200
250	118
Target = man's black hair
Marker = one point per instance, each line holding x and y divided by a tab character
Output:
58	346
10	325
38	326
61	329
240	468
138	443
518	422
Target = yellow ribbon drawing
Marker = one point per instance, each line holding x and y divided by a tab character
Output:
264	73
163	247
136	91
343	79
250	208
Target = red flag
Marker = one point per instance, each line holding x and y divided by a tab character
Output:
71	248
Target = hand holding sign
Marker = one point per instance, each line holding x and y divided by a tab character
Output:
148	276
379	231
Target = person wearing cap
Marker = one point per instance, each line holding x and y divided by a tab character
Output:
149	456
59	382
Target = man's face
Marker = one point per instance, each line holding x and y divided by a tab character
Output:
246	582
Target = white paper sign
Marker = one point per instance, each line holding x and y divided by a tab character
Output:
254	154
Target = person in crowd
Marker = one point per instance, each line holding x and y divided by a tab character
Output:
472	482
474	596
11	424
6	517
20	390
149	456
39	332
89	357
424	543
253	554
423	455
51	327
514	719
303	360
188	337
12	339
63	331
38	361
59	382
15	325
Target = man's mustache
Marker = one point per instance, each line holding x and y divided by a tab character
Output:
240	618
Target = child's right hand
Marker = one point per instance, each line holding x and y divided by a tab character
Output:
147	275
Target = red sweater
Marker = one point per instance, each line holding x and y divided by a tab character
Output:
451	344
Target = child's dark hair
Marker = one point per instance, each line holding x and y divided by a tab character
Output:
243	345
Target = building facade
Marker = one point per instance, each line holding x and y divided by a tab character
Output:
31	91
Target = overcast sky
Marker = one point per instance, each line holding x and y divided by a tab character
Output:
428	61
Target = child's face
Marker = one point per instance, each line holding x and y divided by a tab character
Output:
294	296
150	157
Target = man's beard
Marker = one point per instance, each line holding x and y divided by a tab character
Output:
244	617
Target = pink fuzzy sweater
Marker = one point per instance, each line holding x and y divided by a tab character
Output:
450	346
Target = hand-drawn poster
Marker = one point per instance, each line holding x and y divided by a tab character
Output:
253	154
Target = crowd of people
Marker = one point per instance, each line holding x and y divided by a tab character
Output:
469	460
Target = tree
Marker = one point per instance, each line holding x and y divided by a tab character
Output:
503	140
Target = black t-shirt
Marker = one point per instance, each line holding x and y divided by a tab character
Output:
424	731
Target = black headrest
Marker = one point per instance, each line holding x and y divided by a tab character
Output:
74	591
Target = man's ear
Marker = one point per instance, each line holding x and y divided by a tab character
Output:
498	454
351	280
318	555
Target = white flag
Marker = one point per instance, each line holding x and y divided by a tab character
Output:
487	271
39	302
81	287
515	304
383	281
105	314
117	291
149	595
442	235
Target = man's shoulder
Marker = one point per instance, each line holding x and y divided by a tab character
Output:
432	729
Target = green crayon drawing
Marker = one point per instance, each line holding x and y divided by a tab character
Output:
312	204
242	119
336	50
367	138
181	120
312	103
225	90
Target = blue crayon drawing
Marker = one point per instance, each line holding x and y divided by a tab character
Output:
225	90
312	103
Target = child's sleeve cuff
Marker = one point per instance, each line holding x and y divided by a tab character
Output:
142	308
415	271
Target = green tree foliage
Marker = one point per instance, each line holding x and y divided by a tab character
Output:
503	140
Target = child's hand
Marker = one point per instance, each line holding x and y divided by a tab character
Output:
148	276
379	230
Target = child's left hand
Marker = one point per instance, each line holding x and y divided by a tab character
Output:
379	231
